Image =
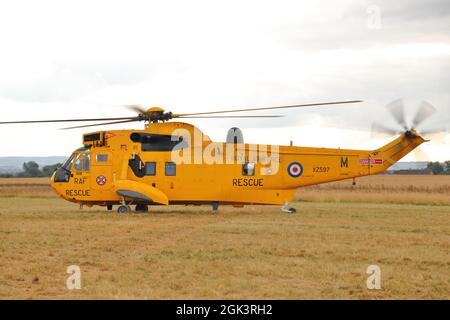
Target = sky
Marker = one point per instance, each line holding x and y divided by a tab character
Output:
86	59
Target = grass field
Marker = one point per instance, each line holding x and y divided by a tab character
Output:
400	223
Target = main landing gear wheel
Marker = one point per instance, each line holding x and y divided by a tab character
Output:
141	208
123	209
287	209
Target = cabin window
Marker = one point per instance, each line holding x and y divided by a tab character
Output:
171	169
248	169
150	169
158	142
102	158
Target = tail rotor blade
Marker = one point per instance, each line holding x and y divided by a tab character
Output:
425	111
397	110
381	131
439	135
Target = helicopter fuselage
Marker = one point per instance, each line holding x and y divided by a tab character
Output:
175	163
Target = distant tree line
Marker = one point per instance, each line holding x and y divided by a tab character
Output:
31	169
439	168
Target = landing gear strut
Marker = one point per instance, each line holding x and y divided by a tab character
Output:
215	207
124	208
287	209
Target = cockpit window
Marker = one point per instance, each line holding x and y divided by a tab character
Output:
82	159
82	162
79	164
63	173
68	164
87	162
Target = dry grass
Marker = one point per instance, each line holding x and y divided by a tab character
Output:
420	189
255	252
28	187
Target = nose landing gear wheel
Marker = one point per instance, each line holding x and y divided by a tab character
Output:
123	209
141	208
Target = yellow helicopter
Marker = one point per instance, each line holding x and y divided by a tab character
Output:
175	163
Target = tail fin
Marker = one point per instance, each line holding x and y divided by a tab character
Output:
397	149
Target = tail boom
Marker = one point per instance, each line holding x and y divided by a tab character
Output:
327	165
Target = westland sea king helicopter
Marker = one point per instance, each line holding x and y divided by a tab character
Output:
172	163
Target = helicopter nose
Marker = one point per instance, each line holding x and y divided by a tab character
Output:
52	183
55	186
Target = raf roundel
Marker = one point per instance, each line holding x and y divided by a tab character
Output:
101	180
295	169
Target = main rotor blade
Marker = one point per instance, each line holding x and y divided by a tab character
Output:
424	112
397	111
67	120
136	108
226	117
99	124
269	108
